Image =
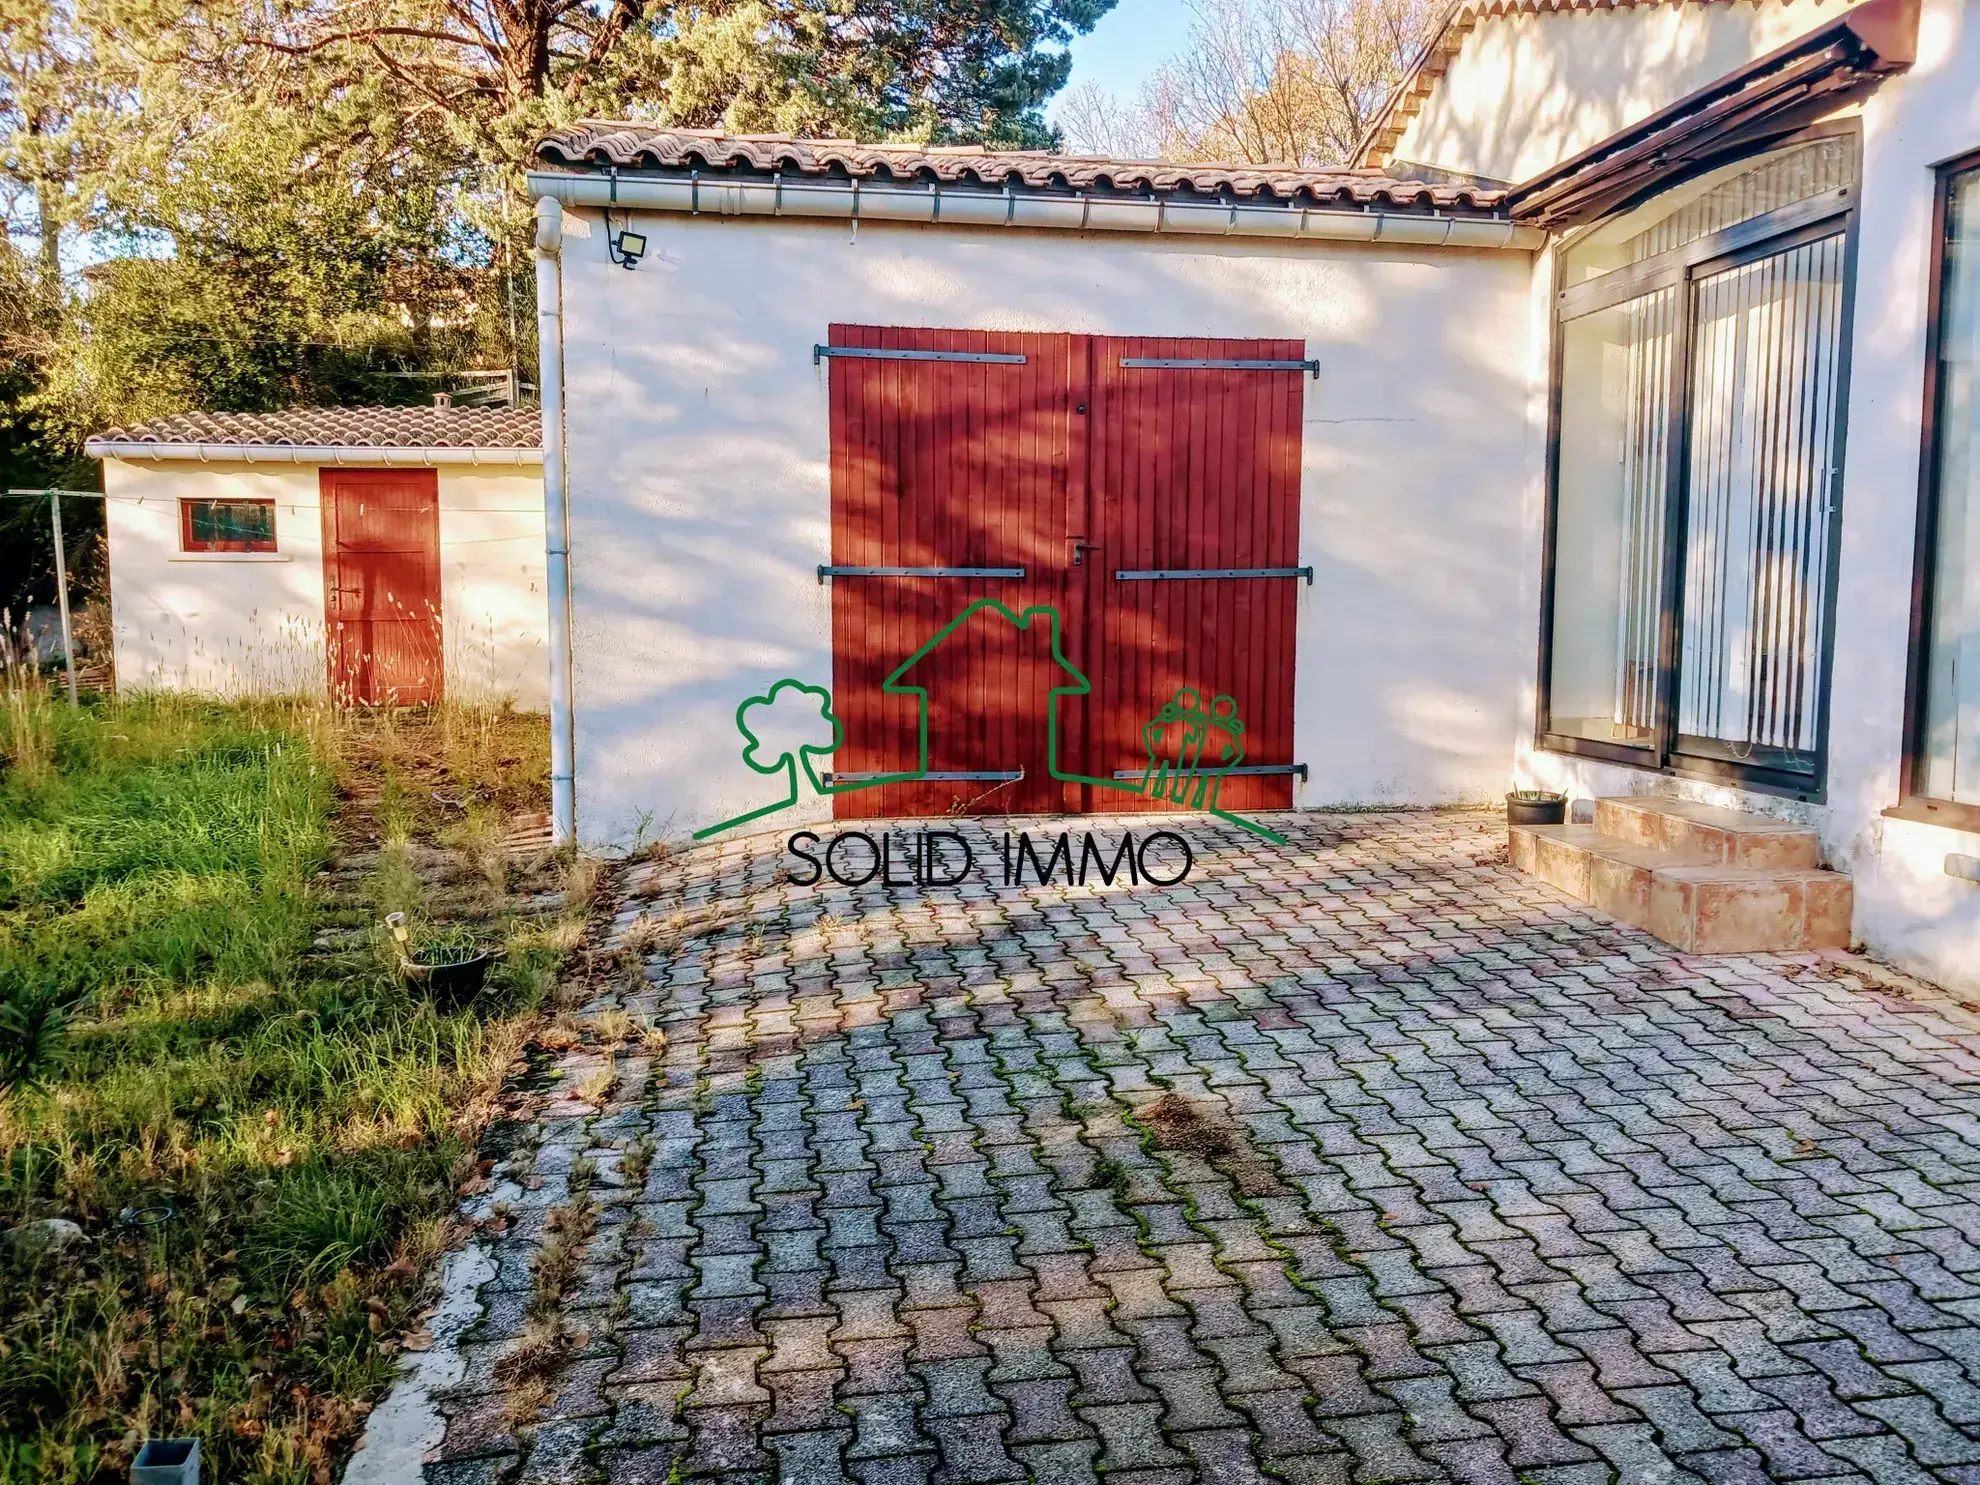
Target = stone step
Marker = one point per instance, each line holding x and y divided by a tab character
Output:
1703	831
1610	875
1742	910
1688	896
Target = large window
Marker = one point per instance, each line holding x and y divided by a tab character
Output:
1698	379
1946	724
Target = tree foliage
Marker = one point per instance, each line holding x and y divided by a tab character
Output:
253	204
295	198
1290	82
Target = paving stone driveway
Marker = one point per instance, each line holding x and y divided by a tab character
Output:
1360	1159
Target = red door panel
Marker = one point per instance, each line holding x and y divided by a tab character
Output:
1072	468
948	464
381	584
1194	469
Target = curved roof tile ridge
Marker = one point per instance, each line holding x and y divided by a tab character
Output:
608	144
344	427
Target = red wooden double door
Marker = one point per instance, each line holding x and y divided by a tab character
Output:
1145	491
381	585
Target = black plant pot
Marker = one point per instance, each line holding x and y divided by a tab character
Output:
450	984
1535	807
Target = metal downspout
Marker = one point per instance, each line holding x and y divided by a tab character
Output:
557	514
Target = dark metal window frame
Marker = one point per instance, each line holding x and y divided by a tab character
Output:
1913	803
1743	242
189	543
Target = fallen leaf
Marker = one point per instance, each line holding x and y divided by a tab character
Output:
419	1340
239	1306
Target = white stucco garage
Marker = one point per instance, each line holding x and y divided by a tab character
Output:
699	449
222	528
1622	390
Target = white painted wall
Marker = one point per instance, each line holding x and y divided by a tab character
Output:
700	501
493	601
224	622
1528	90
1907	908
233	622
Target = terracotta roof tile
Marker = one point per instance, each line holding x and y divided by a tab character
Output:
346	427
630	146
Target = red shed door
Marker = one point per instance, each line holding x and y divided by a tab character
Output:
1194	589
1153	508
381	584
949	485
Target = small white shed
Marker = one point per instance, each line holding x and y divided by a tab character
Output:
389	554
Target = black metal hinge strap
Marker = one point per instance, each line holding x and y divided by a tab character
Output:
920	572
1163	574
863	353
925	778
1243	768
1180	363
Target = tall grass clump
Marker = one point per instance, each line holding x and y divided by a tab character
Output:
172	1043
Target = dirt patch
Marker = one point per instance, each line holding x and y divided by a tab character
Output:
1211	1135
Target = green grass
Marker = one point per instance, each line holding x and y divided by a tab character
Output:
165	1036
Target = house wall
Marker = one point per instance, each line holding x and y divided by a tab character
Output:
1527	90
700	498
493	598
222	622
233	622
1907	909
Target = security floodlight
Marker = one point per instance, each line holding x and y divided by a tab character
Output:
631	247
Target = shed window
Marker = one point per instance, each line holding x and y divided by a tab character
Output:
227	525
1698	381
1947	727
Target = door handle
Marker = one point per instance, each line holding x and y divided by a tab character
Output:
1081	548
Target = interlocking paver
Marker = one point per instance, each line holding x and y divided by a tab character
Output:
1358	1158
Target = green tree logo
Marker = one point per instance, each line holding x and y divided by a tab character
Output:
789	709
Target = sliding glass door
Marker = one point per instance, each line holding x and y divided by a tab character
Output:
1695	471
1615	453
1766	353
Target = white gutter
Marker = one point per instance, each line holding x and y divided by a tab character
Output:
146	451
972	206
557	515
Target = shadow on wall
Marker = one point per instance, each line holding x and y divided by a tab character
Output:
715	473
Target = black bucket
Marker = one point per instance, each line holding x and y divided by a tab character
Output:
1535	807
455	980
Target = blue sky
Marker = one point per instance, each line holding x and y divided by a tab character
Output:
1131	41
